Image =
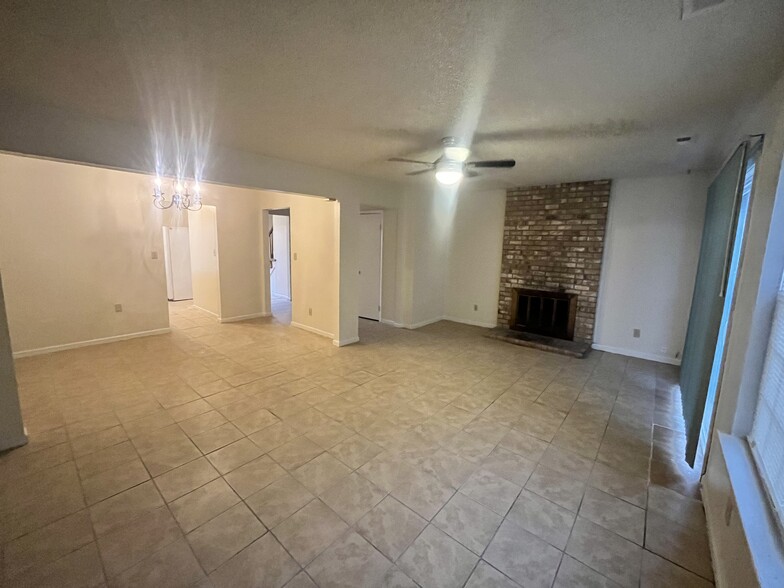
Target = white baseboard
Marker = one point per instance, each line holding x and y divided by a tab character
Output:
437	319
244	317
638	354
345	342
423	323
207	311
101	341
312	330
455	319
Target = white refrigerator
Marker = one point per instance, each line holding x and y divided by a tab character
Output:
177	260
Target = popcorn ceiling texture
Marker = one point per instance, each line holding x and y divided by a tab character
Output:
554	240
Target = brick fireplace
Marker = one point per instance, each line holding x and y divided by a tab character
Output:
553	241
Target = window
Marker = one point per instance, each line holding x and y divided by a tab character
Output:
767	432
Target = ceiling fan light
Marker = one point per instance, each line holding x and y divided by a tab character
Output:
448	177
449	173
457	153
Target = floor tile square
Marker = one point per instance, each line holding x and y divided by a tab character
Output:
278	501
605	552
491	490
614	514
486	576
320	473
138	539
355	451
203	504
309	531
523	557
423	494
113	481
686	547
391	527
352	497
216	438
263	563
467	521
220	538
185	478
573	574
349	561
295	453
657	571
254	475
435	560
173	566
543	518
122	508
556	487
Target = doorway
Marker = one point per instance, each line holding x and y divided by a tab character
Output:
371	233
280	263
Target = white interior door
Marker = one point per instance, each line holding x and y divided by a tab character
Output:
177	261
280	278
370	233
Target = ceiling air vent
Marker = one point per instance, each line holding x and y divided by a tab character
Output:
695	7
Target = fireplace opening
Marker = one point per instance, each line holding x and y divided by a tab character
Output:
544	313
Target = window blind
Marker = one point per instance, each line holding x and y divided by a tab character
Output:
767	433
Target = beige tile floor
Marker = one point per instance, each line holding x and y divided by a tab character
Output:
255	454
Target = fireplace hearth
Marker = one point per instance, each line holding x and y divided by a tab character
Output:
542	312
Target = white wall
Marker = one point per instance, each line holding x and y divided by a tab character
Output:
425	238
475	257
651	251
74	241
205	277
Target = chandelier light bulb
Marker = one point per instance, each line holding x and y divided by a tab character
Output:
180	198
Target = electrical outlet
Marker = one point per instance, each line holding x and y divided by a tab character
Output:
636	333
310	312
118	308
154	255
476	307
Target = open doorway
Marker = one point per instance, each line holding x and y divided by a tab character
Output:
371	227
280	263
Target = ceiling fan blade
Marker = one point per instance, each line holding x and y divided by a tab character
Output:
492	163
421	171
404	160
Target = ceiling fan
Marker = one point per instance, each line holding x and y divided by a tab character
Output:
452	166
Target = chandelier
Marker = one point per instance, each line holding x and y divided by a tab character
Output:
181	197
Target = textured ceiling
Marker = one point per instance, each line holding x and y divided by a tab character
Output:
573	89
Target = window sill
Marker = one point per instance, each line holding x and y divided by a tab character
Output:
756	517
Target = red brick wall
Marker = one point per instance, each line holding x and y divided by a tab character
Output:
553	240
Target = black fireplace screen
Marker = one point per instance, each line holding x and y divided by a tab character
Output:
544	313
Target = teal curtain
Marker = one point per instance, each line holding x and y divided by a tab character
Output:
707	301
